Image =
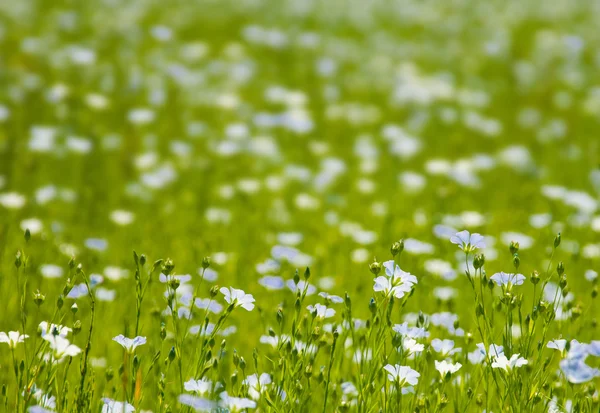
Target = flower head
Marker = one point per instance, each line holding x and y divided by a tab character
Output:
238	298
113	406
468	242
130	344
506	280
61	346
320	311
396	282
445	347
198	386
12	338
501	362
236	404
256	385
577	371
446	368
54	329
403	375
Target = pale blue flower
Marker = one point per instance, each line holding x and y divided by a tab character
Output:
238	298
403	375
559	344
468	242
576	371
130	344
507	280
197	403
444	347
332	298
272	282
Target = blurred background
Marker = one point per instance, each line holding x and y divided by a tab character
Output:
274	135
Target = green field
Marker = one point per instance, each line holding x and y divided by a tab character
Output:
323	157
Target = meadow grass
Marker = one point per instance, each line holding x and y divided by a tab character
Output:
299	206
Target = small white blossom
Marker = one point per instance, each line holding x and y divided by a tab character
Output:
12	338
403	375
130	344
238	298
501	362
468	242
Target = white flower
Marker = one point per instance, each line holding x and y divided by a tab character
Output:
501	362
468	242
332	298
320	311
236	404
12	338
197	403
61	346
238	298
256	385
507	280
130	344
445	347
394	272
412	346
445	367
54	329
12	200
559	344
479	355
198	386
403	375
113	406
396	282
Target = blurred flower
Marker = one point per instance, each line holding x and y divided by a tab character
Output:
129	344
12	338
238	298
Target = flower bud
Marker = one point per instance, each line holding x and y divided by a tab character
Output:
109	373
375	267
74	308
562	281
174	283
242	363
557	240
205	262
535	278
38	298
513	247
397	247
60	301
373	306
306	274
168	266
172	354
516	261
27	235
76	327
142	260
163	331
214	290
560	268
18	260
478	261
